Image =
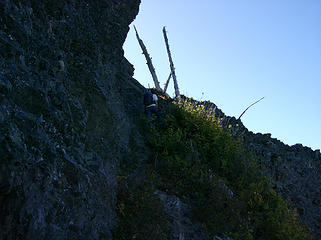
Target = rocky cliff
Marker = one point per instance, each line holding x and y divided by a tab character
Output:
296	173
69	109
68	104
295	170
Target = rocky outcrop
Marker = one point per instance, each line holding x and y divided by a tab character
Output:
295	170
183	222
68	104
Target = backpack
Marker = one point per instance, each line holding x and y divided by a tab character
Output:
148	98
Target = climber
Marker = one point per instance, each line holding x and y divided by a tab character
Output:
150	102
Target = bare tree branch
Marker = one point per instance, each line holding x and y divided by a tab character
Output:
249	107
166	84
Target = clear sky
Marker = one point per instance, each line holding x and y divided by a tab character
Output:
233	52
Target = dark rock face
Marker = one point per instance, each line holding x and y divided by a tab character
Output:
67	107
183	223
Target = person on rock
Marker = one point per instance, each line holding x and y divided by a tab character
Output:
150	102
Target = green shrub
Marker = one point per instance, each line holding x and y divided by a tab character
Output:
196	159
199	161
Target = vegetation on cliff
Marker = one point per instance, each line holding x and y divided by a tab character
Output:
199	161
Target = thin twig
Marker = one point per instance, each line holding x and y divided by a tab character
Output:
249	107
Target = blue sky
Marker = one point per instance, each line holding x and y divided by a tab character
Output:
233	52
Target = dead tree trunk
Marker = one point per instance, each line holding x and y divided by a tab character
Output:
149	62
249	107
177	94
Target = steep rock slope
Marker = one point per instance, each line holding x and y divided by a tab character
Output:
294	170
296	173
68	104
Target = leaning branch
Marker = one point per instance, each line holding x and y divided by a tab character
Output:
249	107
166	84
149	62
177	94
